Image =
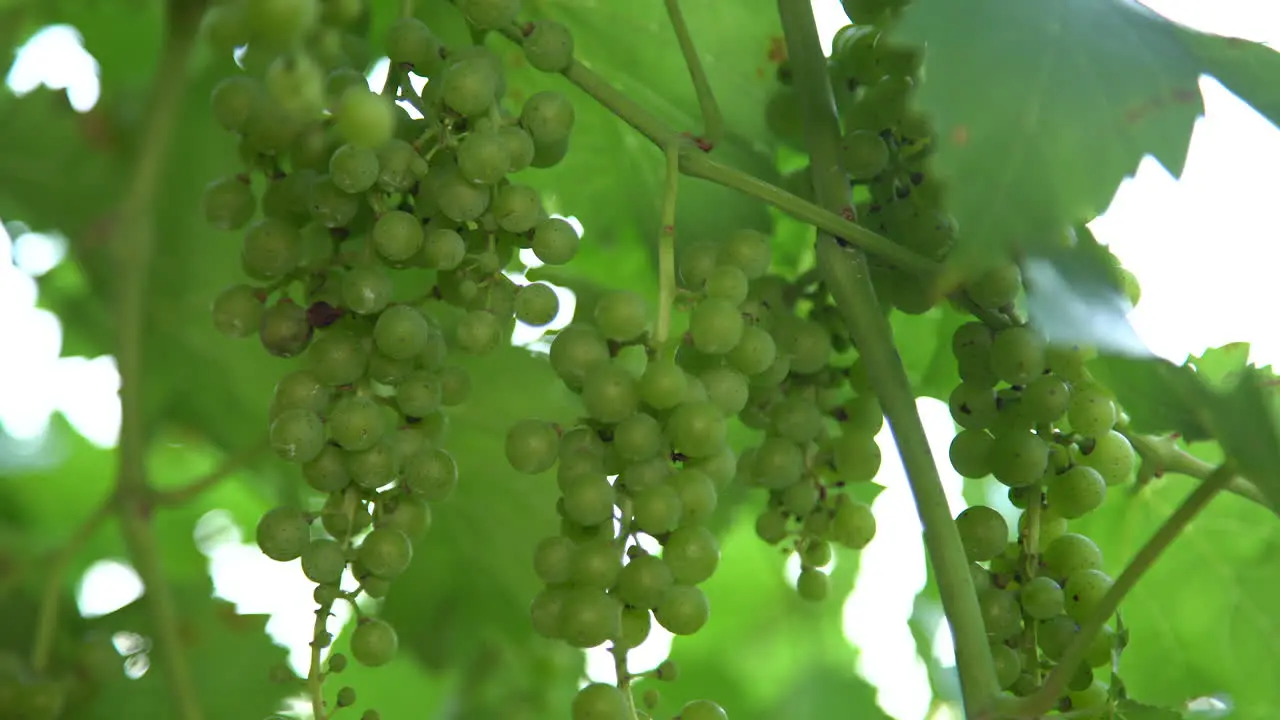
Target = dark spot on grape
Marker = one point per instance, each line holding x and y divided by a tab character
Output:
322	314
410	420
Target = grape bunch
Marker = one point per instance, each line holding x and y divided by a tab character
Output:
374	242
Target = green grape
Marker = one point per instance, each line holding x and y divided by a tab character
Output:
692	553
442	249
1111	454
726	388
1017	355
401	332
1000	613
801	498
983	531
327	472
728	283
536	304
697	263
385	552
996	288
296	83
397	236
1018	458
970	453
470	86
863	154
663	384
490	14
272	249
862	415
716	326
353	169
284	330
1008	664
549	47
517	208
297	435
577	350
971	344
520	148
555	242
373	468
233	100
323	561
1084	591
809	343
419	394
697	429
399	166
857	457
1055	635
547	155
552	558
853	525
374	642
748	250
599	701
1091	412
656	509
683	609
237	311
1076	492
1041	598
797	418
374	586
226	27
589	501
367	289
279	23
300	389
621	315
483	157
432	473
548	117
344	514
589	617
282	534
356	423
338	357
813	585
755	352
973	406
288	198
329	205
1045	399
595	564
460	200
411	43
408	514
1069	554
1092	697
771	526
532	446
365	119
698	495
478	332
637	437
609	393
229	203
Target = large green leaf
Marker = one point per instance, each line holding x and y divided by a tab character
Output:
1249	69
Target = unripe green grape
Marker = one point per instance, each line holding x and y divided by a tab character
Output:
728	283
983	532
323	561
442	249
410	42
520	148
971	344
517	208
356	423
727	389
697	429
483	158
397	236
857	457
548	117
366	289
1076	492
643	580
771	526
797	418
300	389
432	473
375	467
590	501
272	249
297	435
656	509
470	86
1084	590
1112	456
282	534
716	326
460	200
327	472
973	406
697	263
408	514
353	168
547	155
400	166
816	553
809	343
595	564
755	352
338	357
683	609
1008	664
996	288
589	617
748	250
698	495
478	332
536	304
365	119
692	553
1018	458
288	198
401	332
374	642
532	446
609	394
853	525
800	498
599	701
970	453
1069	554
490	14
621	315
552	559
279	23
228	203
638	437
1045	399
663	384
1041	598
372	585
284	330
862	415
1000	613
419	394
813	585
237	311
233	99
545	612
1091	412
549	47
1055	635
1017	355
555	242
329	205
863	154
296	83
385	552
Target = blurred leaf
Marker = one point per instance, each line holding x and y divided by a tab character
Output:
1042	110
1130	710
1248	69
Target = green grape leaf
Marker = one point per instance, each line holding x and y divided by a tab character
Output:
1159	396
1248	69
1132	710
225	651
1041	111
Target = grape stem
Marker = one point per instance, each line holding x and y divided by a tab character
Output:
47	617
712	120
624	678
667	251
695	163
1164	456
135	238
1046	697
229	467
846	275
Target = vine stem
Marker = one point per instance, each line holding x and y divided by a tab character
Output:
232	465
667	250
847	278
1044	699
47	617
695	163
1165	456
134	243
712	120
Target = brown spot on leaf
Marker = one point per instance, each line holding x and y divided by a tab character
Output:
960	135
777	50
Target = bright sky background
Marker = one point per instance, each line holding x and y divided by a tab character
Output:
1204	248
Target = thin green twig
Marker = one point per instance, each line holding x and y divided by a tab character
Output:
232	465
847	278
712	120
1165	456
56	569
667	250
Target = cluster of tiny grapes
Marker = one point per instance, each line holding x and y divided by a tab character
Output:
374	243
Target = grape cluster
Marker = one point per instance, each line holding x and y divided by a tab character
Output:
374	243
